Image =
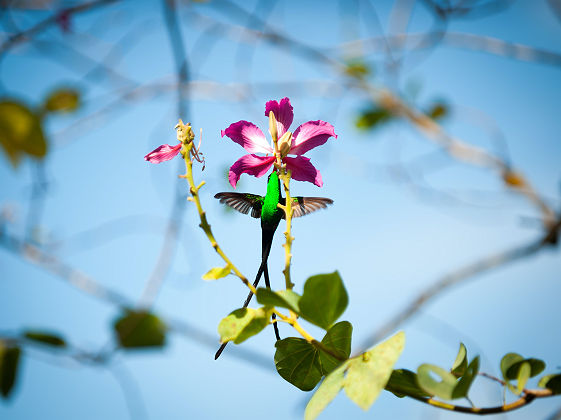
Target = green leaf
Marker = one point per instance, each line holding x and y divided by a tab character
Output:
372	118
515	367
403	383
217	272
324	299
537	366
523	376
443	388
461	363
552	382
303	364
507	361
20	132
45	338
62	100
368	374
281	299
462	387
338	341
297	361
326	392
140	329
243	323
9	362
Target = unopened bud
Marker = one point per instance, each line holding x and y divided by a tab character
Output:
285	142
184	132
273	126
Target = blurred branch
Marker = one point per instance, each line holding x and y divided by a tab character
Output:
167	251
463	274
455	147
36	256
50	263
40	27
474	42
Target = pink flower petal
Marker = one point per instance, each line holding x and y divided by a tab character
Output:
163	153
249	136
310	135
303	170
283	113
249	164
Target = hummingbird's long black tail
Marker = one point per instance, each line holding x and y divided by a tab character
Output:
267	240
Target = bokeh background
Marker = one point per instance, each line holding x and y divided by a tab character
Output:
89	227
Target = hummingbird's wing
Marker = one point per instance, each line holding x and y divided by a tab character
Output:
302	206
242	202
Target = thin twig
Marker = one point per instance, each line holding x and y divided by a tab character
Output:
40	27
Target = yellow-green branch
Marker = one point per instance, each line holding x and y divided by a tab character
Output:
527	398
186	151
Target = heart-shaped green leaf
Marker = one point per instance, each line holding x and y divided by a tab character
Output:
338	341
297	361
324	299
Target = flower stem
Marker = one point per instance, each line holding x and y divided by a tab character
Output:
285	176
194	190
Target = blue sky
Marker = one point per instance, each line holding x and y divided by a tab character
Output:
388	239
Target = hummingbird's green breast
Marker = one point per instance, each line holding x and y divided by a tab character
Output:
270	213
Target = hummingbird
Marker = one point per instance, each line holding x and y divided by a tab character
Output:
266	208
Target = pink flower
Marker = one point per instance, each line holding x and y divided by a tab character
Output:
163	153
307	136
185	136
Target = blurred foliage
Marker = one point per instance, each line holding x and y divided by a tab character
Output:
21	127
438	111
46	338
358	68
21	132
551	382
9	362
140	329
62	100
373	117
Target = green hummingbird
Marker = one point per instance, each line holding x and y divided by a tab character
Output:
266	208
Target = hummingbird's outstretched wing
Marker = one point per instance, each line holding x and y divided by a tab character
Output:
302	206
242	202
